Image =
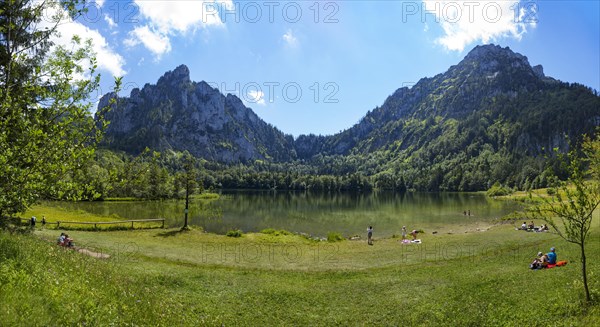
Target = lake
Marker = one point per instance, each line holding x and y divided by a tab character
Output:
317	213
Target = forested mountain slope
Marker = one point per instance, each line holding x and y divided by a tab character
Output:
490	118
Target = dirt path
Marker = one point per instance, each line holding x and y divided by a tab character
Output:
84	251
94	254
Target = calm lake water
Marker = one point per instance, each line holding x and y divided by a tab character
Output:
317	213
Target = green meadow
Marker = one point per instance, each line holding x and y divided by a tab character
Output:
161	277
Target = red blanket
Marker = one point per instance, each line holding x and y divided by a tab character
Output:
558	264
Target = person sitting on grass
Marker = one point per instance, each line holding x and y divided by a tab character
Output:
551	256
65	240
524	226
68	241
538	261
61	239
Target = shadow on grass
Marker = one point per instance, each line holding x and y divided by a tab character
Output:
174	232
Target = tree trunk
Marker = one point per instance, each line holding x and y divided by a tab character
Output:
187	198
584	273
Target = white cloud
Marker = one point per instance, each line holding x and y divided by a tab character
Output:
182	16
167	18
157	43
483	21
99	3
256	96
107	58
111	23
290	39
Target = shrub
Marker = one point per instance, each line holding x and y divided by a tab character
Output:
334	237
235	233
275	232
269	231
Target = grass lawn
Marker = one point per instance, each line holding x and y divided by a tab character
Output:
468	279
167	277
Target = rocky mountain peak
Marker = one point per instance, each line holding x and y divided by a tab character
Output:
178	76
486	51
491	57
178	114
539	71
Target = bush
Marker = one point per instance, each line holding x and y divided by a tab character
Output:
498	190
334	237
275	232
235	233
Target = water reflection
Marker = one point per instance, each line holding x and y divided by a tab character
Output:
315	213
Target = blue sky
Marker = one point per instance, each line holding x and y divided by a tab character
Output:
319	66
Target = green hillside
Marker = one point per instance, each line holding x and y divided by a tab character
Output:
492	118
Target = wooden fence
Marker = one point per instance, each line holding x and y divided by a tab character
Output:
96	223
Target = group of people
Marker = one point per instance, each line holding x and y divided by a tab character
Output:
65	240
413	233
531	227
543	260
33	220
404	233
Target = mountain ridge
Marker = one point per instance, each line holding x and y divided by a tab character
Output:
499	73
492	109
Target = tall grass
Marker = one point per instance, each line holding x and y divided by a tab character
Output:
42	284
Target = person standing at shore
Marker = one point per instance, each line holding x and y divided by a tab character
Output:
370	235
403	232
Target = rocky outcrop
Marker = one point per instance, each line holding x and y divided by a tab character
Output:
178	114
